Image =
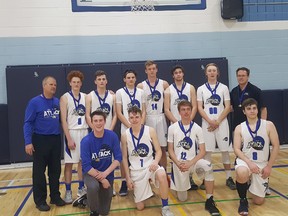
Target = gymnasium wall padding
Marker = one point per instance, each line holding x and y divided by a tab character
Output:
24	82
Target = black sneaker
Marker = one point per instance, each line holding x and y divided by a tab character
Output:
80	202
58	202
243	207
43	207
94	213
193	185
123	190
211	206
230	183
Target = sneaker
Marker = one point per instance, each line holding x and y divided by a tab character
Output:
230	183
243	207
166	211
81	191
80	202
211	206
193	185
202	186
268	191
123	190
43	207
68	197
94	213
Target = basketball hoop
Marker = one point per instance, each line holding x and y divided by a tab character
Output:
142	5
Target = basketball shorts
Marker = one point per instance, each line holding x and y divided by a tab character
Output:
158	122
73	156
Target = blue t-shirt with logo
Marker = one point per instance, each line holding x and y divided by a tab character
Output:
42	116
97	152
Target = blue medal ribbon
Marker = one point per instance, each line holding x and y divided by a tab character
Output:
213	91
253	133
76	102
180	92
138	139
183	129
101	100
152	88
240	96
132	97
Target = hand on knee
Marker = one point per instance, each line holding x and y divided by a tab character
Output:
140	206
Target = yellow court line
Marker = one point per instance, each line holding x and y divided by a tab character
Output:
174	201
281	170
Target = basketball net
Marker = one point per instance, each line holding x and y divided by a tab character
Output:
142	5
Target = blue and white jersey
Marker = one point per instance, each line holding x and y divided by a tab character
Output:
154	97
140	151
185	147
213	103
76	112
176	97
104	103
256	146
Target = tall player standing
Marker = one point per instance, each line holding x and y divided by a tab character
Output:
214	105
72	107
153	88
127	97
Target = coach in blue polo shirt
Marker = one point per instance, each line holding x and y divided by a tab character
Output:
43	142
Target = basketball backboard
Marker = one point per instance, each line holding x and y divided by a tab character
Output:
125	5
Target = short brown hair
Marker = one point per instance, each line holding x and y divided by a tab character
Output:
248	102
135	110
99	113
75	73
184	103
212	64
99	73
177	67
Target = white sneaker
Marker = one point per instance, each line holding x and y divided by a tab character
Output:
268	191
166	211
81	191
68	197
114	193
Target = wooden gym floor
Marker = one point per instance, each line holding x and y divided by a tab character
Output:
16	195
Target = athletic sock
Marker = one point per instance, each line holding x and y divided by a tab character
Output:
242	189
164	202
68	186
81	184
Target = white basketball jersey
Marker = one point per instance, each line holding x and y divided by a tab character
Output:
185	150
123	98
154	97
174	99
141	157
258	149
213	105
108	109
76	112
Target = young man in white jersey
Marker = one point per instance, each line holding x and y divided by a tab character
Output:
139	143
178	91
254	160
187	149
101	99
127	97
153	88
214	105
72	110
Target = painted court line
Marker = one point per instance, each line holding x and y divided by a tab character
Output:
23	203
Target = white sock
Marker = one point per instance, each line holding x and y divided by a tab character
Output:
228	173
208	196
